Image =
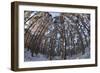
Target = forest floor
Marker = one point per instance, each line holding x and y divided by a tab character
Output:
41	57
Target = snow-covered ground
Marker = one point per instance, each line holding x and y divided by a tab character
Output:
41	57
28	57
80	56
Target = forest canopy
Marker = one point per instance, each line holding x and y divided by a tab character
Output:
56	35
